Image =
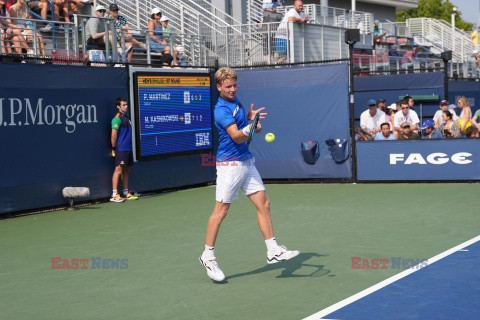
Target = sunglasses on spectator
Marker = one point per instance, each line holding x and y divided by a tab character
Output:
102	11
372	105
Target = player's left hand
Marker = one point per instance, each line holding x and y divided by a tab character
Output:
252	113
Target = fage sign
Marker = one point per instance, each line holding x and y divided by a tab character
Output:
456	159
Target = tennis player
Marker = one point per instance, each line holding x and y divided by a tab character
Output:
235	171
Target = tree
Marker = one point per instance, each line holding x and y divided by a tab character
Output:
437	9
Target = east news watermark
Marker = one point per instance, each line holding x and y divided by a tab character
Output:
94	263
398	263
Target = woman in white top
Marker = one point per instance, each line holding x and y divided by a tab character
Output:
20	10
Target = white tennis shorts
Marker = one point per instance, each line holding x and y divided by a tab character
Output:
233	175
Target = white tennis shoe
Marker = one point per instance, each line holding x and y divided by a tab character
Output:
213	270
281	254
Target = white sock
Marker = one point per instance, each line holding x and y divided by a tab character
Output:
271	245
125	192
114	193
209	253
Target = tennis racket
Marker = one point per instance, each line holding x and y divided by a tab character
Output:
254	127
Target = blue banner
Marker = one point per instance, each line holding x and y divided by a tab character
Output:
419	160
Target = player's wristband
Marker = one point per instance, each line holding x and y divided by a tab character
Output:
246	130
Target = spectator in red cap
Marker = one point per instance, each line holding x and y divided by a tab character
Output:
438	119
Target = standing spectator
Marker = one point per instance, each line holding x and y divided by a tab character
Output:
377	35
121	25
385	132
293	15
381	105
271	3
371	119
408	58
269	16
475	119
429	131
438	118
121	140
450	128
20	10
405	114
475	36
472	132
466	114
407	133
95	28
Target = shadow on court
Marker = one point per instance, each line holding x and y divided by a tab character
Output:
289	268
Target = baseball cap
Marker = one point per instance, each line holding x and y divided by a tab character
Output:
113	7
444	102
371	102
164	18
100	8
381	101
268	5
427	124
405	124
155	11
393	106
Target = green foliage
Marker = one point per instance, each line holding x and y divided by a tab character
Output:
437	9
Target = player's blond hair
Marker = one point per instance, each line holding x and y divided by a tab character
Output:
223	74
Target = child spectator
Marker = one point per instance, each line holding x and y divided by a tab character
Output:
179	56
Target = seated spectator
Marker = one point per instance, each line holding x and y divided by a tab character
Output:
359	135
121	25
476	55
22	28
429	131
155	36
475	119
407	133
438	118
450	128
293	15
472	132
465	115
64	7
95	28
385	132
371	119
179	56
405	114
165	29
377	35
381	105
408	58
40	7
391	110
410	101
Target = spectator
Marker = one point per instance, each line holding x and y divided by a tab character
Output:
385	132
405	114
165	29
475	36
39	7
377	35
179	56
475	119
95	28
450	128
392	109
408	58
476	55
472	132
429	131
371	119
157	42
359	135
410	101
271	3
61	5
438	118
466	114
381	105
121	25
293	15
269	16
407	133
20	10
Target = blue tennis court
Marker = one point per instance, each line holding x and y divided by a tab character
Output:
446	288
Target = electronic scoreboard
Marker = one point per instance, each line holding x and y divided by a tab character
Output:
173	114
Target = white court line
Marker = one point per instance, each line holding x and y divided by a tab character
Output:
388	281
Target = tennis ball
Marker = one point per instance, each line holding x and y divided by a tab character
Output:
269	137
